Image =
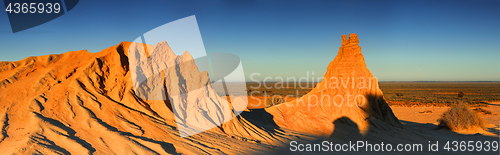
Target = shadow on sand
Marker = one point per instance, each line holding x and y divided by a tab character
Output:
345	128
262	119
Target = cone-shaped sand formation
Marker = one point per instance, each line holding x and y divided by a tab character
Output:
347	90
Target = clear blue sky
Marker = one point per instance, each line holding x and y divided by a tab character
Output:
401	40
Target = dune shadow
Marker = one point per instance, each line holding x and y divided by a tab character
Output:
494	131
123	58
262	119
420	126
378	108
168	147
490	104
70	131
345	128
47	143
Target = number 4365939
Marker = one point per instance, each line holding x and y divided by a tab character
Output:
33	8
471	146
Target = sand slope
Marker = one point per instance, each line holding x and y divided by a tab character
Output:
85	103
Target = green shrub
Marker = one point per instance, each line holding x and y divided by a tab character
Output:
461	94
460	117
399	94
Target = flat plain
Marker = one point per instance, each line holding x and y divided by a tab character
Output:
399	93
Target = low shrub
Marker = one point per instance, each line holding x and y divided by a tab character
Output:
460	117
273	100
487	112
426	112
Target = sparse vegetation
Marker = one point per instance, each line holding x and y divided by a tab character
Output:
481	110
461	94
292	89
439	93
402	93
460	117
426	112
478	104
273	100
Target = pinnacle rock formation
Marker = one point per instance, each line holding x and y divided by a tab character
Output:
348	91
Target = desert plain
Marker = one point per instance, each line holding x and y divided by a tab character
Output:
420	102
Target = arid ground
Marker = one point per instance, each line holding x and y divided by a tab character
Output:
419	102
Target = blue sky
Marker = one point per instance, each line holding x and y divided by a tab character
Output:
400	40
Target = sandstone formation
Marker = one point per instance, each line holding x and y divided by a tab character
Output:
95	103
86	103
348	90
